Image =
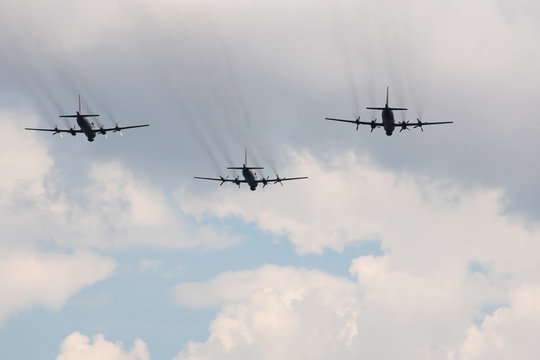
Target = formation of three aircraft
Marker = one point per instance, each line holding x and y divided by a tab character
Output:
88	128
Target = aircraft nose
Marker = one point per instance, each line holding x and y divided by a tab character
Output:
389	133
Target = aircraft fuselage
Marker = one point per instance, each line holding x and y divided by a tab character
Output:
87	127
249	176
389	123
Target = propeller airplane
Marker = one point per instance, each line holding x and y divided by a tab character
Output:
388	122
250	177
86	126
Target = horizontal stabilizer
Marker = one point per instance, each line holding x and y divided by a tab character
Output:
74	116
382	108
247	167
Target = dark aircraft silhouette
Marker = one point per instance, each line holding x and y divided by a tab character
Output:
250	177
388	120
86	126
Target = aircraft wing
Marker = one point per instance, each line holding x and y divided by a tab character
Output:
433	123
279	180
119	128
405	125
282	179
357	122
222	179
57	131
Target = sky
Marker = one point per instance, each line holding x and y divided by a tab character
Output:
422	245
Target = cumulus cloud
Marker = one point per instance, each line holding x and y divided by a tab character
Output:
235	286
23	159
33	278
349	199
448	73
385	313
80	347
110	208
431	229
509	333
117	210
274	312
450	252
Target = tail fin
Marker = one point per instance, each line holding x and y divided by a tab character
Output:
386	107
79	112
245	164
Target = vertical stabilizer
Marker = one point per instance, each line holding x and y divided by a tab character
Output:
386	107
245	157
79	104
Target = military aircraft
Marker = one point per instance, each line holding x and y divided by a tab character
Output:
388	120
250	177
86	126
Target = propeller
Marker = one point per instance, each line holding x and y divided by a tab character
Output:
57	132
265	181
278	180
72	131
223	179
102	131
357	122
117	129
373	125
419	124
237	182
403	125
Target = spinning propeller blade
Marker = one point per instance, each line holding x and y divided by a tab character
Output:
278	180
404	126
419	124
223	179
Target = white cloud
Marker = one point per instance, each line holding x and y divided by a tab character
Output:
422	296
23	159
274	312
80	347
285	312
119	210
31	278
111	208
348	199
239	285
509	333
431	229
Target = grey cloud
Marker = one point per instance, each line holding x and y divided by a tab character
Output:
213	78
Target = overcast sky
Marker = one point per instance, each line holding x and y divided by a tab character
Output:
419	245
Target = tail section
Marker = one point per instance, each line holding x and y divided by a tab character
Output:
386	105
244	166
79	112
